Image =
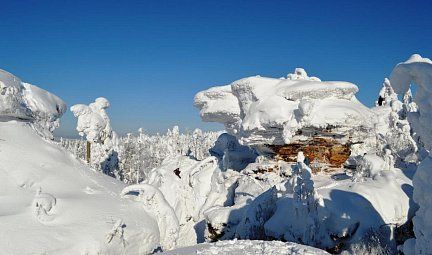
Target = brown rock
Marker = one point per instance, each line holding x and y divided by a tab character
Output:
326	150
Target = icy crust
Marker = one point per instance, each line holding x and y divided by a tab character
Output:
417	70
25	101
248	247
261	110
53	204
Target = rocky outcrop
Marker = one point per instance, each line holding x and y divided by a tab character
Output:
325	151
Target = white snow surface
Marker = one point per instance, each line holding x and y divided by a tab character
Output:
53	204
418	70
25	101
248	247
261	110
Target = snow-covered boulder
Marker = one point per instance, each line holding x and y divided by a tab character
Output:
260	110
190	187
19	100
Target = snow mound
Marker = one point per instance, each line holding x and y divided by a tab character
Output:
248	247
19	100
261	110
53	204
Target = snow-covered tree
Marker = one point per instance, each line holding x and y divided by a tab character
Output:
306	205
94	124
395	131
386	94
139	153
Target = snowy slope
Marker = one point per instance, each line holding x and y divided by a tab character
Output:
53	204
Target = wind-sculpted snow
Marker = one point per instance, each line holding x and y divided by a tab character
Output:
417	70
261	110
19	100
53	204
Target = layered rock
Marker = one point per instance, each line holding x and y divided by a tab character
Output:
293	110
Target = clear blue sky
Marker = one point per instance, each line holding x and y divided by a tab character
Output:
149	58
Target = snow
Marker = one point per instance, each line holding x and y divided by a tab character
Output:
260	110
248	247
25	101
417	70
54	204
93	121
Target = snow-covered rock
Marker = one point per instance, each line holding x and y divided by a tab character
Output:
260	110
190	187
19	100
417	70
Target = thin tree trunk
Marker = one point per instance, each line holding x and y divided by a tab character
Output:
88	152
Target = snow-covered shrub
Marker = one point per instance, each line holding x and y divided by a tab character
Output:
393	131
369	165
373	242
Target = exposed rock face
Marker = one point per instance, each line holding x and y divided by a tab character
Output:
323	150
